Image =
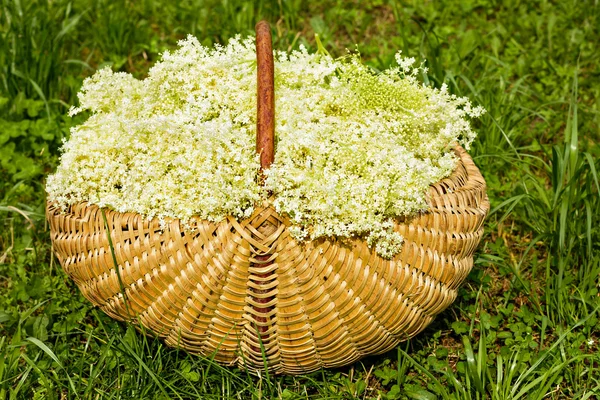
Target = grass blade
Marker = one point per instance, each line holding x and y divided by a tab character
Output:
53	356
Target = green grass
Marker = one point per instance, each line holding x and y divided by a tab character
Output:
526	322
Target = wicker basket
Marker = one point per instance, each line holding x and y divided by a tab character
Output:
247	293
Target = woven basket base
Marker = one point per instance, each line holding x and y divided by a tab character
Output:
249	294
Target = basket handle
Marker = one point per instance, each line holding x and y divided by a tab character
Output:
265	117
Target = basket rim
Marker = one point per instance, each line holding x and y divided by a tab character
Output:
474	177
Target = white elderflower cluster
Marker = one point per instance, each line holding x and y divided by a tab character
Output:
354	149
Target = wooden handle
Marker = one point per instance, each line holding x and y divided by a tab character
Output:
265	117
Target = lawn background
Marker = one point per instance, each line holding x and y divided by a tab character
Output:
525	324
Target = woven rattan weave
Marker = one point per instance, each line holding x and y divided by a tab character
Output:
249	294
330	302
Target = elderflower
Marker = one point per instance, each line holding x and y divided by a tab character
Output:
354	149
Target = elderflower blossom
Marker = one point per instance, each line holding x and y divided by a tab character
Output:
354	149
